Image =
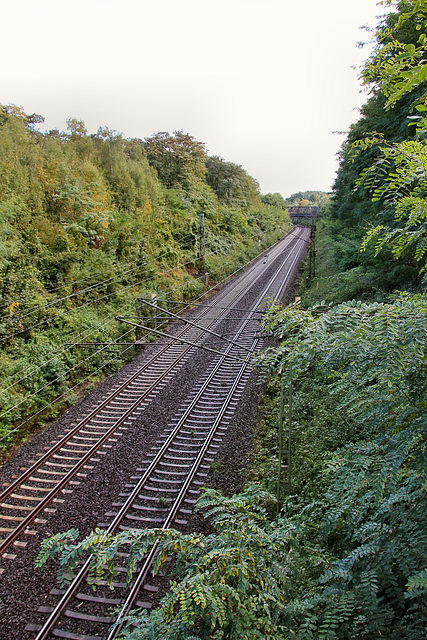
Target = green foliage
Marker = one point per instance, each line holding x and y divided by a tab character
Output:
345	558
398	64
364	541
382	175
349	565
234	582
231	183
178	158
398	180
313	197
366	364
274	199
361	334
85	227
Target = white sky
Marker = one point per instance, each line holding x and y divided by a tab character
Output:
264	83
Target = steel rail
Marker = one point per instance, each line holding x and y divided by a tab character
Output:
192	324
43	502
56	614
181	340
271	249
142	574
210	306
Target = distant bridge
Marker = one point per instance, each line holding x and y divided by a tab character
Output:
299	213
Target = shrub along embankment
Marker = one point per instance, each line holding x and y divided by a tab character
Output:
89	224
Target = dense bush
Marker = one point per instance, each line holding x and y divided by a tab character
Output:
345	559
89	223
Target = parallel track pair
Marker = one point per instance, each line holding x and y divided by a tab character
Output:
170	479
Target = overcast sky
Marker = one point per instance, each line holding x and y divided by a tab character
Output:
263	83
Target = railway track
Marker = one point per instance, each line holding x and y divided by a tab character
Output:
167	483
29	494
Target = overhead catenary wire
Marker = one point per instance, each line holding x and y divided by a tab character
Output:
135	284
63	395
99	369
62	376
60	350
5	338
92	355
71	295
80	291
85	304
42	322
192	324
74	282
104	347
209	306
174	339
87	331
69	370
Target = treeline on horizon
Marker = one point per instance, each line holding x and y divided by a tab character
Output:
89	223
128	197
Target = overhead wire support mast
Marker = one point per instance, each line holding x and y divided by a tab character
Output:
143	480
202	263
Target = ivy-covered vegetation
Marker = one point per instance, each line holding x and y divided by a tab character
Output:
89	223
338	550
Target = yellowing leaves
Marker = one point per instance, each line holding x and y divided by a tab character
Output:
148	209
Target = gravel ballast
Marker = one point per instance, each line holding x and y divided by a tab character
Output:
23	589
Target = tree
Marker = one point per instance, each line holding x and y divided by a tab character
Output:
233	585
178	158
275	200
349	564
71	206
397	178
231	183
76	128
315	197
398	66
369	360
352	201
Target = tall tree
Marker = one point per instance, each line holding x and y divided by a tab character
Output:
274	199
231	183
352	201
397	178
178	158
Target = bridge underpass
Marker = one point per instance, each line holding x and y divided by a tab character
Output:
304	213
